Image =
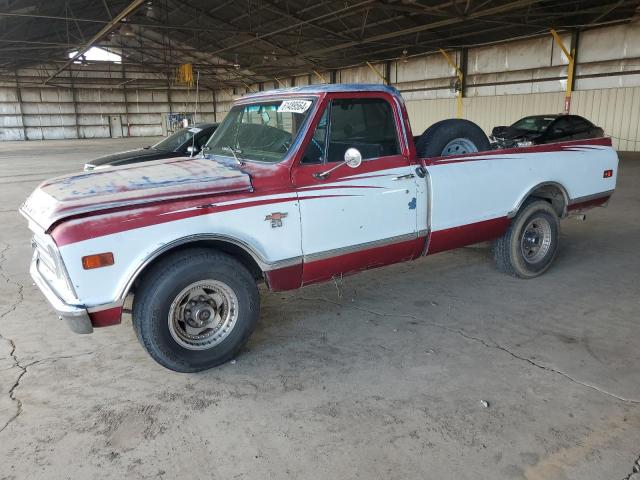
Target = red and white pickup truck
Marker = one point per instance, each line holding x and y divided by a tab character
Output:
296	186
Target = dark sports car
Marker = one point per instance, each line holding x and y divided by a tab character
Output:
176	145
539	129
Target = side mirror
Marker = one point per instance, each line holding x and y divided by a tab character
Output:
192	150
352	158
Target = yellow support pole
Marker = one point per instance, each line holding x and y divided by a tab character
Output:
279	82
384	80
320	76
460	78
570	68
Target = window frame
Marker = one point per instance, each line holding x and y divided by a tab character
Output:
329	110
300	136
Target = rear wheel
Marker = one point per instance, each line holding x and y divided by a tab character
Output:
452	137
530	243
195	309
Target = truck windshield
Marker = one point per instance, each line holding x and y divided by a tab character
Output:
261	132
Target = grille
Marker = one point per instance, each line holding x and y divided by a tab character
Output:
46	255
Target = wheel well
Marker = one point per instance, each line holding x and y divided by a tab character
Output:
552	193
229	248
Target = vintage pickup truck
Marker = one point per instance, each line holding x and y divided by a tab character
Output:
297	186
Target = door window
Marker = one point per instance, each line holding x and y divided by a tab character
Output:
366	124
562	128
580	124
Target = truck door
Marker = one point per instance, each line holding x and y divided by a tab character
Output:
356	218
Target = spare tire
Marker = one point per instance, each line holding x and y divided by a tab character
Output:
451	137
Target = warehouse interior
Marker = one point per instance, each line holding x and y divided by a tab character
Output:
440	368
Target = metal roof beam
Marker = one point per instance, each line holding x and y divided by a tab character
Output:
104	31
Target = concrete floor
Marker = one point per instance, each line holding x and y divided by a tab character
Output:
380	377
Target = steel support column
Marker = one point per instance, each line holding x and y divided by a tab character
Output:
460	76
75	104
19	97
570	69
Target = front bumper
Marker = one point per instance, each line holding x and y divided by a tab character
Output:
76	316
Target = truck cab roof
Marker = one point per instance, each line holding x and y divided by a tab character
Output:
325	88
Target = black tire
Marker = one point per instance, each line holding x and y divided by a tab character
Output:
523	250
166	281
433	141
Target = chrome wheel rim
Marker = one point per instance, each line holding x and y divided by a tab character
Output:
536	240
459	146
203	314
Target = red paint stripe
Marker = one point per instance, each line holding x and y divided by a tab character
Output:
208	191
309	189
456	237
106	318
287	278
354	262
547	147
98	226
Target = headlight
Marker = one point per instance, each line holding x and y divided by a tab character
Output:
525	143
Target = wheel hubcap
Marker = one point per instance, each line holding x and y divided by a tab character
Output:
203	314
536	240
459	146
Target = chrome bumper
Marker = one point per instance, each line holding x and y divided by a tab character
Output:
76	316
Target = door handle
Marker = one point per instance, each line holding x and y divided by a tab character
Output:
404	177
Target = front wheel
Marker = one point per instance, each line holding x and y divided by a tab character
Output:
195	309
530	243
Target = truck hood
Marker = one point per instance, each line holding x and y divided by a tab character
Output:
158	180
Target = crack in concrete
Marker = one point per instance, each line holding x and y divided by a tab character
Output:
47	359
494	345
16	384
12	353
635	469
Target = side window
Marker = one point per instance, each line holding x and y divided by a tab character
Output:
366	124
562	127
580	124
315	150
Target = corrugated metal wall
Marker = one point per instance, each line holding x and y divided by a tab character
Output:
616	110
47	112
504	82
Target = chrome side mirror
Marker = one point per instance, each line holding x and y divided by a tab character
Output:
352	158
192	150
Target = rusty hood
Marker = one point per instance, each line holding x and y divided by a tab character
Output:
82	193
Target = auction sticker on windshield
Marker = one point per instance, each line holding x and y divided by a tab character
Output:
294	106
195	130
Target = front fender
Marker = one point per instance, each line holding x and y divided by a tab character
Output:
133	249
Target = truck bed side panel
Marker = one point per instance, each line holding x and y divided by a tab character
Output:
480	190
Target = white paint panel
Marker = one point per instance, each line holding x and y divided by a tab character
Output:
131	248
468	192
362	215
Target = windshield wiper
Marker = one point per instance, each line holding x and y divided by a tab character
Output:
235	153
